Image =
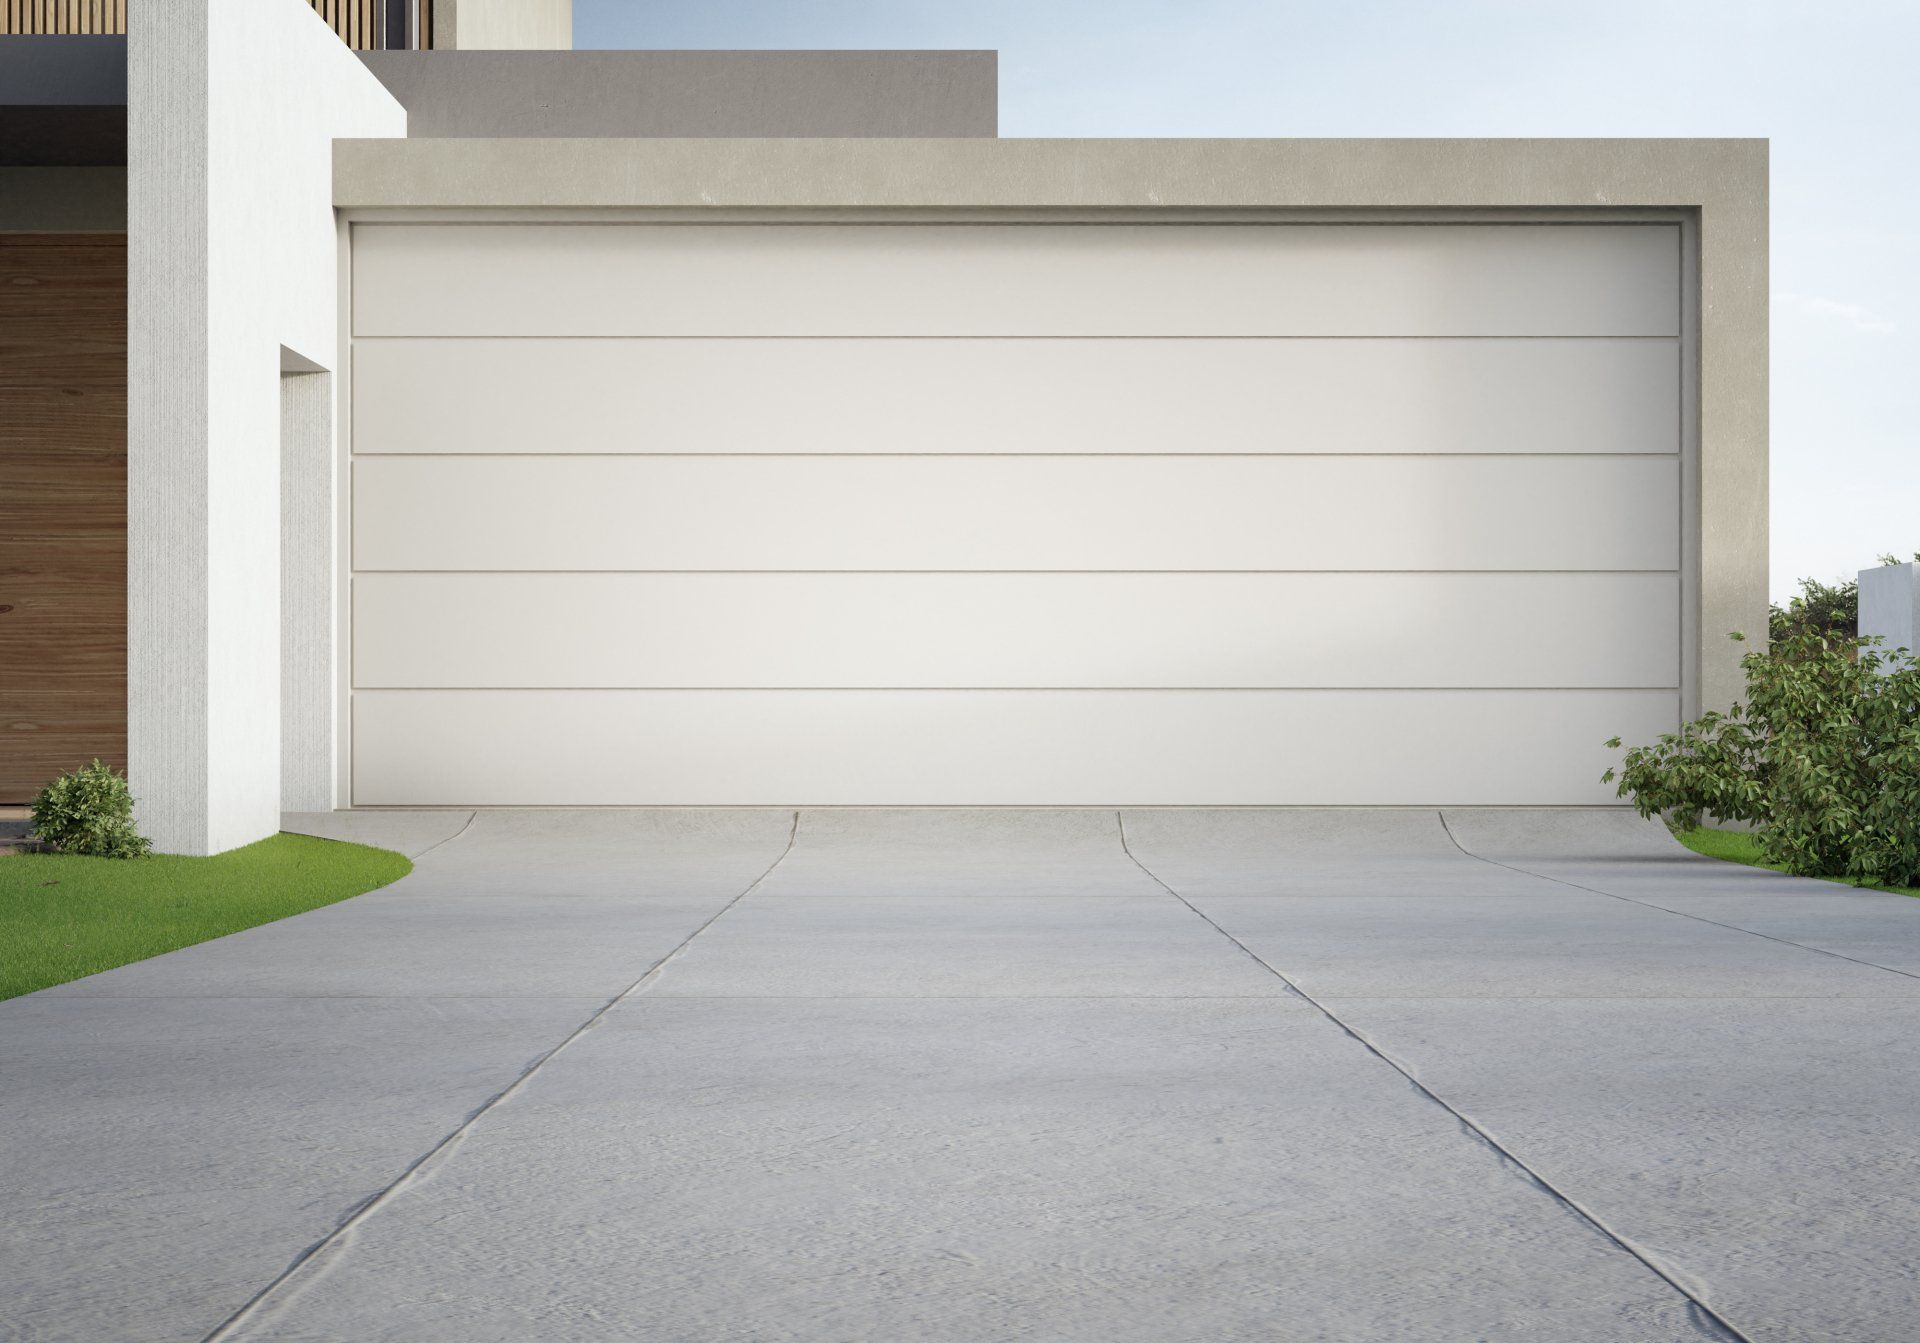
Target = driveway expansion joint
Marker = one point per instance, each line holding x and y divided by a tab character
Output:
1709	1321
313	1262
465	826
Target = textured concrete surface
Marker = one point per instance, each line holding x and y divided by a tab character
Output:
692	94
949	1075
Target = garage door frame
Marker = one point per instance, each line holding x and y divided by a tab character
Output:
1687	220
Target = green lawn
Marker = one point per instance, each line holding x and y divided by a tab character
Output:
63	917
1738	847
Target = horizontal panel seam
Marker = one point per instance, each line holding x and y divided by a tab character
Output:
1671	338
1171	573
1020	689
1078	223
1528	455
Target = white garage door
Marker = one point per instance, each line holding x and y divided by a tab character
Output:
1011	514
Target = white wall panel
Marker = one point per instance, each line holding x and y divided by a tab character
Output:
993	747
1030	395
1180	513
1012	630
1016	280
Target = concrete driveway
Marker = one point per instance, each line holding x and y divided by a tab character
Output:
930	1076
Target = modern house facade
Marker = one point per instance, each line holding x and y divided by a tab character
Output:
569	428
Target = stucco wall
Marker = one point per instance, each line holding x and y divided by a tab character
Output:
233	254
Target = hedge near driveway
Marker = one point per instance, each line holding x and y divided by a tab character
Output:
1736	846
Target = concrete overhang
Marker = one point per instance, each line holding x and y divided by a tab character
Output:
1726	177
1718	189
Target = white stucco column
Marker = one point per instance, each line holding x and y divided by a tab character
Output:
233	106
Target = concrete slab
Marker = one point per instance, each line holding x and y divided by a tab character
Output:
1158	1170
1225	853
963	1075
179	1130
619	852
163	1160
1565	835
397	944
519	904
1632	859
1556	943
914	903
1763	1151
1388	904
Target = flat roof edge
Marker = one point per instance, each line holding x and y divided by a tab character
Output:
1041	173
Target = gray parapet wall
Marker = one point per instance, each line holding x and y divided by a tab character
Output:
693	94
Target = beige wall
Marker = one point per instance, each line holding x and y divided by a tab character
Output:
503	25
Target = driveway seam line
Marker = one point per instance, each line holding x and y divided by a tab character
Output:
1566	1200
1677	913
285	1287
471	816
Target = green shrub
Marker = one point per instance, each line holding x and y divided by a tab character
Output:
1822	758
1819	609
90	812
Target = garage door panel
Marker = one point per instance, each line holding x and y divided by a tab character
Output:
1027	396
1001	513
1017	514
1012	747
1016	280
1015	630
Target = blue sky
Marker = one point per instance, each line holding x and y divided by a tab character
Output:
1830	82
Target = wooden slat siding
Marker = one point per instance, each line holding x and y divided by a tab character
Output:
63	17
63	523
356	21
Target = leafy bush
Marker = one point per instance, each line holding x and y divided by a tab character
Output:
1823	758
1819	609
90	812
